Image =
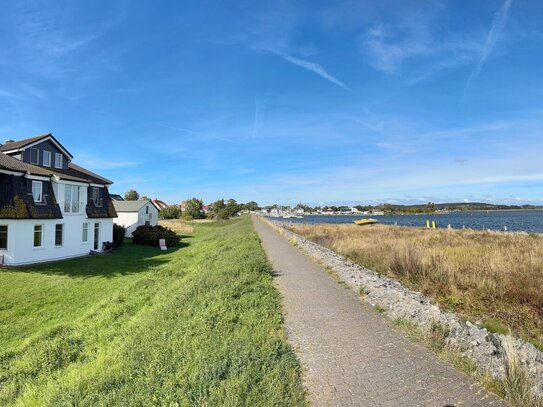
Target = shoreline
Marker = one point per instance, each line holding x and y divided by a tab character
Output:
476	341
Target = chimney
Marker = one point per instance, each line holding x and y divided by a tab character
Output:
8	141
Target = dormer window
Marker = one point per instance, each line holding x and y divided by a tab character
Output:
37	189
58	160
34	156
47	158
96	196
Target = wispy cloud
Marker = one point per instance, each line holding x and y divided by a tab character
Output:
196	133
256	123
497	27
102	164
310	66
46	45
387	54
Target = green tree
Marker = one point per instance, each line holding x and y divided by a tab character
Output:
217	210
131	195
251	206
232	208
170	212
430	207
194	209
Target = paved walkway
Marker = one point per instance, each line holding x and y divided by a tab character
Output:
352	355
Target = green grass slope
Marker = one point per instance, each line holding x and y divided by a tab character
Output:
200	325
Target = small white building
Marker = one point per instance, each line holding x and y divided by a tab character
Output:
132	214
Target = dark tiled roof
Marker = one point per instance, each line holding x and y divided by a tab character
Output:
116	197
106	210
73	173
15	145
20	144
81	172
16	201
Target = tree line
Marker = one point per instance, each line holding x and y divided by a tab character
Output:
220	209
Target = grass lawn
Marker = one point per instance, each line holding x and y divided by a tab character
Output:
197	325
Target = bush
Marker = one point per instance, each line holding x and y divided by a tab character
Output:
194	208
149	235
118	235
171	212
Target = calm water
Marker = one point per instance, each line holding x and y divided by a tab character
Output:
518	221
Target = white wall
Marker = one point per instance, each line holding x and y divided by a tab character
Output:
21	248
131	220
128	220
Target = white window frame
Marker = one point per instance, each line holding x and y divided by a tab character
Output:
58	160
71	204
34	236
96	197
47	154
61	236
7	237
85	233
37	156
35	183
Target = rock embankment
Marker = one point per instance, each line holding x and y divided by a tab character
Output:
484	348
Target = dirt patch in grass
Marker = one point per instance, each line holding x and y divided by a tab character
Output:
179	226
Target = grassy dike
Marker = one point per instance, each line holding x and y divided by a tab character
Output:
198	325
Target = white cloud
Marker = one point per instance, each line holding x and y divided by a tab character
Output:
497	27
310	66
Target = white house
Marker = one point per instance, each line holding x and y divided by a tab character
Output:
132	214
50	208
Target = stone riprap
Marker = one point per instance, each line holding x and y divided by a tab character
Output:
484	348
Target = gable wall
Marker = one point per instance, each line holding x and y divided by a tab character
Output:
45	146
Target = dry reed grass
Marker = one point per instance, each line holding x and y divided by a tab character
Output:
489	276
177	225
516	383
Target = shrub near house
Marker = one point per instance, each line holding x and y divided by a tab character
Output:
150	235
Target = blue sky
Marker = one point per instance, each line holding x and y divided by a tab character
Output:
319	102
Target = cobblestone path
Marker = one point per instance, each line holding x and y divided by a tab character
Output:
352	355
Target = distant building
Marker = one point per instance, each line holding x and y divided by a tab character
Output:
116	197
160	205
132	214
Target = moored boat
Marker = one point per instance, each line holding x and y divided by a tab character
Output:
361	222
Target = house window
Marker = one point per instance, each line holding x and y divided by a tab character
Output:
38	231
34	156
146	210
71	198
96	235
96	196
37	188
47	158
58	160
85	237
3	237
147	223
59	229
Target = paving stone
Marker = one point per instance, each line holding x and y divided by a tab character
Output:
352	355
